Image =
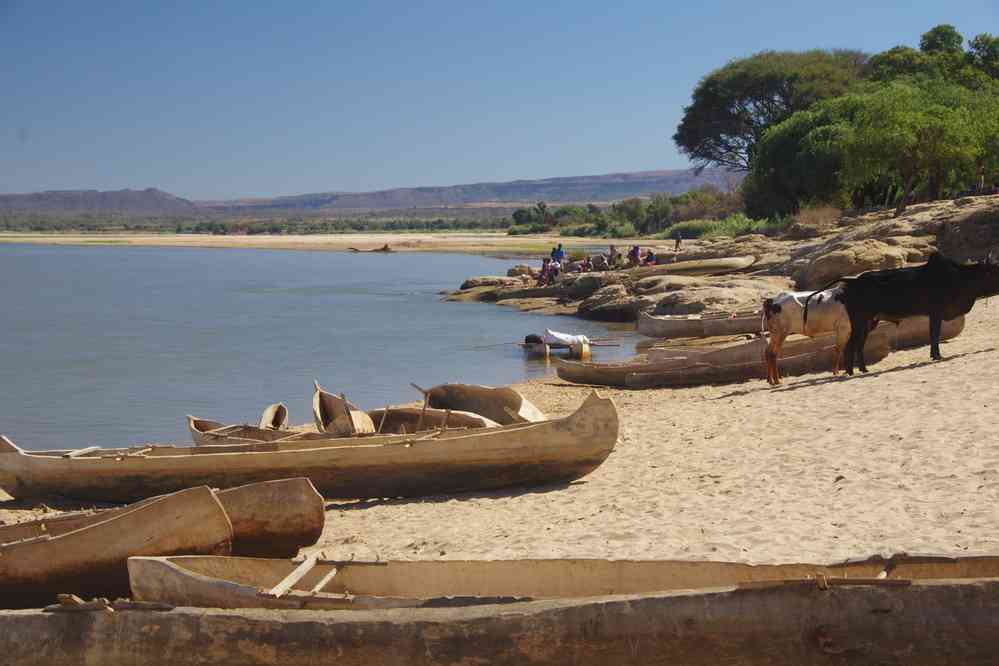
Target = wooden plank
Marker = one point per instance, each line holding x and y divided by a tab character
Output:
298	574
76	453
318	587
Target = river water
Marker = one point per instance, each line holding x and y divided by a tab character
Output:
107	346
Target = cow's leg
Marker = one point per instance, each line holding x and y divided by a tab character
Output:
935	322
848	355
842	333
771	354
865	330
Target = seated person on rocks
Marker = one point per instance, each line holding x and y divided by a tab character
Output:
634	256
554	268
543	275
600	263
650	258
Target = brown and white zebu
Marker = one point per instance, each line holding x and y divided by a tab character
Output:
783	315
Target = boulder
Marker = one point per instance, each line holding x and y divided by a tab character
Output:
719	294
583	285
614	303
849	258
491	281
520	270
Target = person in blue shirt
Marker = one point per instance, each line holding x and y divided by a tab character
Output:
559	254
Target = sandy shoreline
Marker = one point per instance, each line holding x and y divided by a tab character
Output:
820	470
496	244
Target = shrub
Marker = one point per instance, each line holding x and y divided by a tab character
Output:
524	229
733	225
820	217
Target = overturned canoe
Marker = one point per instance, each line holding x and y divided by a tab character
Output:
315	584
269	519
86	554
947	615
503	405
390	466
732	362
704	325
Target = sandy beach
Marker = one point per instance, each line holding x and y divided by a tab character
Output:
496	243
820	470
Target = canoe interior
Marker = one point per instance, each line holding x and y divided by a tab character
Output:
503	405
337	415
548	579
400	420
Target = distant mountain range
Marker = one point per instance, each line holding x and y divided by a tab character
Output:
578	189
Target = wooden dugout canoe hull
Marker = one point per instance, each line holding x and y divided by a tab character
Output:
699	326
915	331
717	266
234	582
495	403
409	418
731	363
338	416
87	555
554	451
930	622
269	519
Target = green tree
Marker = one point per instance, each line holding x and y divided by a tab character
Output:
658	214
733	106
910	133
984	53
943	38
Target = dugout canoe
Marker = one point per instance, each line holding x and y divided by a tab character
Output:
915	331
274	417
205	432
316	584
86	554
704	325
269	519
401	420
503	404
733	362
718	266
553	451
338	416
947	619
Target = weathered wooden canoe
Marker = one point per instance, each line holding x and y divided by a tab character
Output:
704	325
390	466
274	417
915	331
205	432
400	420
733	362
718	266
949	617
269	519
314	584
274	518
86	554
503	405
338	416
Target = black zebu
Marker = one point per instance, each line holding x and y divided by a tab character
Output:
941	289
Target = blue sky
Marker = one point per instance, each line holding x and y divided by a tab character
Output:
227	99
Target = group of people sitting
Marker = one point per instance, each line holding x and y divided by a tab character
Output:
555	264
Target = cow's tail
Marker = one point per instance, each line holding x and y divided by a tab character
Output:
804	316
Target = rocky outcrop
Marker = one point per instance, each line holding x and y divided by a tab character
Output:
614	303
583	285
849	258
711	294
491	281
520	270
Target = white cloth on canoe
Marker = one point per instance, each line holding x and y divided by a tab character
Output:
555	338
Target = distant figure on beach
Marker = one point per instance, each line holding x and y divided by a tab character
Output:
612	256
678	237
559	254
634	255
554	268
543	275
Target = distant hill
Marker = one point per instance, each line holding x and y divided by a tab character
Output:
578	189
137	202
608	187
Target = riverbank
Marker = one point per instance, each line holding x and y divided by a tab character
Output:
483	243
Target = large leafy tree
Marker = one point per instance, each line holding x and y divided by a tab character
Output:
911	133
983	51
943	38
733	106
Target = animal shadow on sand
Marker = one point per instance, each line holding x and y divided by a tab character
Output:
353	505
819	381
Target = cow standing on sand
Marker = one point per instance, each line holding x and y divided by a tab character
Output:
941	289
783	315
